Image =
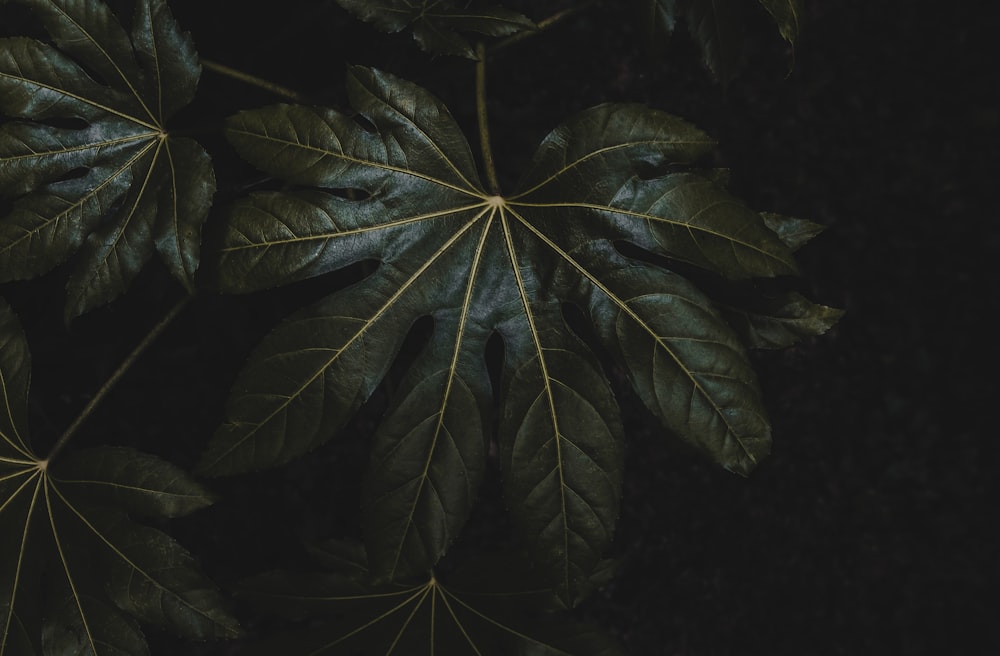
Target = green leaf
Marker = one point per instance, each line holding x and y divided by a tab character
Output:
350	613
64	521
87	158
794	232
133	481
781	321
406	193
426	473
438	25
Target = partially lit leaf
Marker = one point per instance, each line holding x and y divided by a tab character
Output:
481	264
87	157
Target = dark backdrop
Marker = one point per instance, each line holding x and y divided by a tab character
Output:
866	531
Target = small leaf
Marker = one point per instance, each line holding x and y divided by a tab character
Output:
794	232
111	184
782	321
438	25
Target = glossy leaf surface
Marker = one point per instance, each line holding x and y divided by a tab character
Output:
439	25
67	523
477	263
86	156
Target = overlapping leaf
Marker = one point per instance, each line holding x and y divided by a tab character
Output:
716	26
87	157
438	25
66	523
478	264
495	611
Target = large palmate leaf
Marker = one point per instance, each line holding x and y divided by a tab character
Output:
66	523
486	608
717	27
87	157
481	264
438	25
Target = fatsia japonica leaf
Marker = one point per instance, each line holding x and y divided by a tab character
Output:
67	523
438	25
86	156
347	611
403	190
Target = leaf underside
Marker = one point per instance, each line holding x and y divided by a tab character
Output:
86	156
64	523
411	198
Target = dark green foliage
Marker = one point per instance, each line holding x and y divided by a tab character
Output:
66	523
619	247
88	158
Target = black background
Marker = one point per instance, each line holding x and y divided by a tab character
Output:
868	529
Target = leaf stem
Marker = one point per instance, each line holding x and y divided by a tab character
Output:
276	89
543	25
484	123
130	359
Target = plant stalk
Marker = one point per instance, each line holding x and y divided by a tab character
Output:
261	83
484	122
543	25
130	360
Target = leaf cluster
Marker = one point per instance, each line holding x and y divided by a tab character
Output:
620	249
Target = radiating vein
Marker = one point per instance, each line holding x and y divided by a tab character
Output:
87	101
15	584
97	45
596	153
449	380
29	234
357	231
624	307
66	569
362	162
403	288
652	217
547	385
118	552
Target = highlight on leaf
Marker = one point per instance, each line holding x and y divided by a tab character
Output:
480	265
86	156
77	574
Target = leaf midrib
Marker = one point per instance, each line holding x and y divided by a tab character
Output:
367	324
624	307
361	162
